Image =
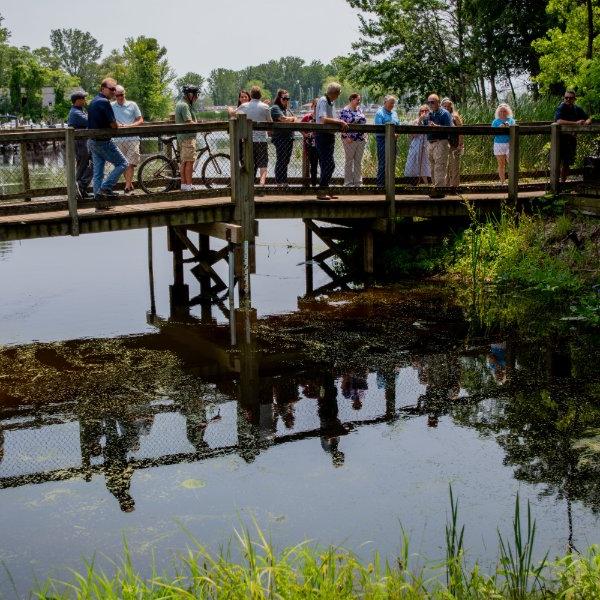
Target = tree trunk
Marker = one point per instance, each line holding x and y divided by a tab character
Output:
482	88
590	18
512	87
461	50
493	90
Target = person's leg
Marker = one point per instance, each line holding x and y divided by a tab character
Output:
313	158
441	149
114	156
358	157
82	160
129	177
431	154
349	162
328	164
453	178
287	155
97	165
501	158
380	160
187	172
280	168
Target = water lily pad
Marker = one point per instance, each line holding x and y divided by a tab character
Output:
193	484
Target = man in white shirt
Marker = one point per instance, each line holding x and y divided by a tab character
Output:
128	114
258	112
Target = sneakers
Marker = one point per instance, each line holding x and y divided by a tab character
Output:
103	199
188	187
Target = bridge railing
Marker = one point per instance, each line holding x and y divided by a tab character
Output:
41	163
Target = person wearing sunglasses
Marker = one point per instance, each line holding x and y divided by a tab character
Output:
439	143
569	113
103	150
78	119
128	114
283	139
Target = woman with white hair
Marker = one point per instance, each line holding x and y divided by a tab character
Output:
325	140
386	114
503	118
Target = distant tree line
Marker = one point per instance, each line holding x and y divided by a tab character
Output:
469	50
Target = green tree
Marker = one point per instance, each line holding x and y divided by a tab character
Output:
47	58
114	65
569	52
223	86
190	78
78	52
266	93
147	76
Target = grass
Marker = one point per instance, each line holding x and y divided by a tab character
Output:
334	573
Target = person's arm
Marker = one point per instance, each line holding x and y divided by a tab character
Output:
139	119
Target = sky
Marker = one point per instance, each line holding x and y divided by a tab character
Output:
199	34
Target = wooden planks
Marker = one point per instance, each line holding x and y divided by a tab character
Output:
211	211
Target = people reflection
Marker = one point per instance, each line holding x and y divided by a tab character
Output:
440	373
117	470
496	362
285	396
354	385
331	426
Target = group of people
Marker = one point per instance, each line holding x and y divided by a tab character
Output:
110	109
433	157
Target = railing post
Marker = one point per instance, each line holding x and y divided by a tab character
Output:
555	158
390	175
70	168
25	170
513	177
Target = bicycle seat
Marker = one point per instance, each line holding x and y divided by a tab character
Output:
168	140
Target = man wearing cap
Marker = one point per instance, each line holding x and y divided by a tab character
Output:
128	114
78	119
103	150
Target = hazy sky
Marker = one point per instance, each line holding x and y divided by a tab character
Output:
198	34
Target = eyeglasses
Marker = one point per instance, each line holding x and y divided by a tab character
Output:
285	97
432	101
120	95
570	97
112	89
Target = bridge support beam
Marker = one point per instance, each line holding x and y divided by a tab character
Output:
215	289
331	236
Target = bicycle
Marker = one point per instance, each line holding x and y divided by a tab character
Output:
159	173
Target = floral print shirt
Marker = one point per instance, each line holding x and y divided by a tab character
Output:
353	116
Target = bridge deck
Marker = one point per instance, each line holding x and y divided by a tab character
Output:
51	218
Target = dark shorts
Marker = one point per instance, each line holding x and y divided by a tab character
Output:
568	149
261	154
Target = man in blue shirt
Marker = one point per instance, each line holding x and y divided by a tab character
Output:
101	116
386	114
439	144
78	119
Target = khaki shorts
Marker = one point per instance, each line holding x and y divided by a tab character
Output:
130	150
187	150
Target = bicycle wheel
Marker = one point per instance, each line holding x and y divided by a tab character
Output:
157	174
216	171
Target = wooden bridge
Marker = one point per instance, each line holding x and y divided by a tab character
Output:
230	210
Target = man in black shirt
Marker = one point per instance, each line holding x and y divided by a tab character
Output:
101	116
568	113
78	119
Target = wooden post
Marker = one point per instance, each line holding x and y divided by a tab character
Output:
555	158
151	273
390	175
70	167
179	293
25	170
242	194
368	252
308	258
513	161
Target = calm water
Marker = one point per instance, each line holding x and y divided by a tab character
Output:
340	421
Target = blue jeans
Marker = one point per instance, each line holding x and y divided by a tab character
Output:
380	160
325	148
104	151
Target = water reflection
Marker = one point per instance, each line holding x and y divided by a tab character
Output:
183	394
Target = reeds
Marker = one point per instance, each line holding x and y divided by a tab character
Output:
307	571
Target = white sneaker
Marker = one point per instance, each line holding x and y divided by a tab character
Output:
186	187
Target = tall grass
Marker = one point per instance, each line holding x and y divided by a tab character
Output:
333	573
